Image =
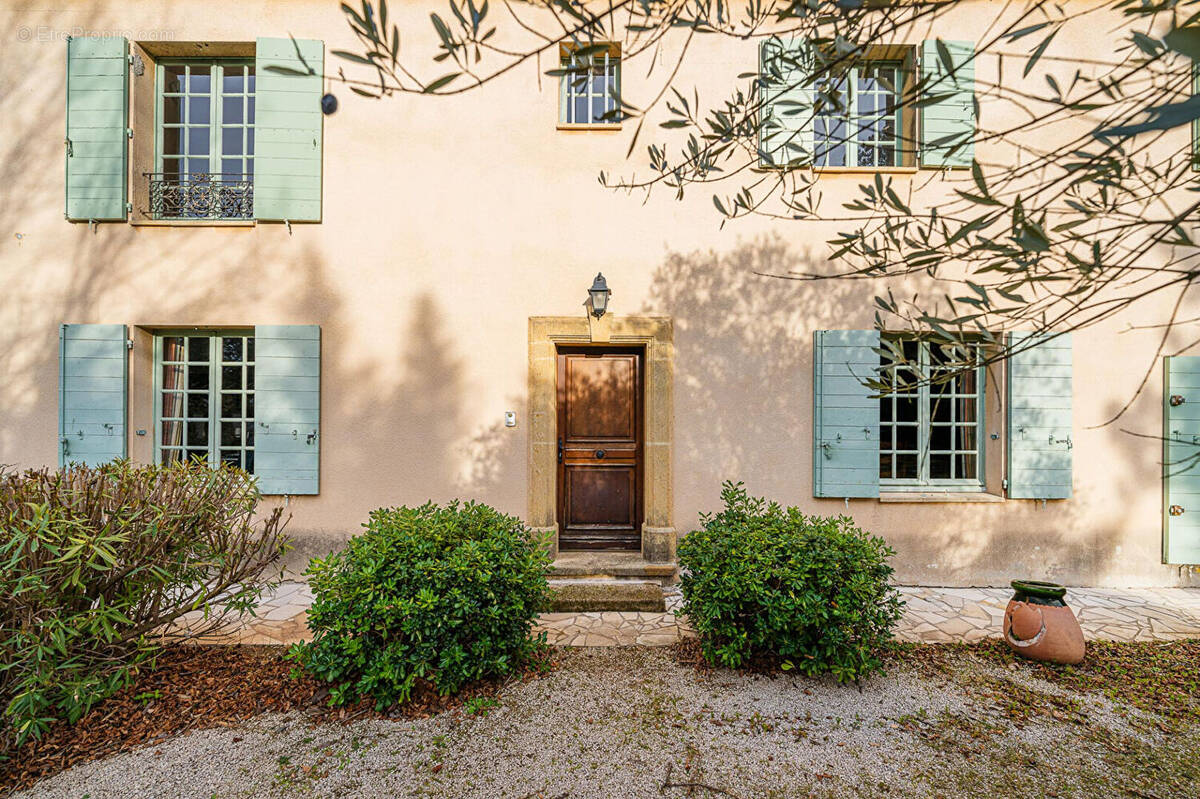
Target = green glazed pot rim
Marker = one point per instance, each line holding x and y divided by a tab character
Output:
1039	588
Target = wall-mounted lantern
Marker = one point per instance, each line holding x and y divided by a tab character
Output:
599	294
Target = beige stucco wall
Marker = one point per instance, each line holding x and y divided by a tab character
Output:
448	223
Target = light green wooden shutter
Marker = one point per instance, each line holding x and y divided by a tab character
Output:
287	408
785	136
93	367
1181	460
1039	417
845	414
289	76
97	128
948	120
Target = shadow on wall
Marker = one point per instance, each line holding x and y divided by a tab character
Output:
743	362
743	403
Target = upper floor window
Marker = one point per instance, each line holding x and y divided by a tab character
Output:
205	399
589	97
204	140
864	128
930	422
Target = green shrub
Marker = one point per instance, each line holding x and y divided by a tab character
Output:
759	579
444	594
95	563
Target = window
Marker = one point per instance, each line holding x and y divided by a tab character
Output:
863	128
204	150
589	97
931	420
205	398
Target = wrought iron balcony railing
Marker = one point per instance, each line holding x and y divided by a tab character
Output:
201	195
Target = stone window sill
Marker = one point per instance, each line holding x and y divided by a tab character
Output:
939	496
602	127
194	222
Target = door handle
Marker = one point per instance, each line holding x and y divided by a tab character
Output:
560	450
599	454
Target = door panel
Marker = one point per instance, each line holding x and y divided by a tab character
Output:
600	448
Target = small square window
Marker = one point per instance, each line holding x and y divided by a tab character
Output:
588	94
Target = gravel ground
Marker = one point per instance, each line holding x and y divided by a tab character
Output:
613	722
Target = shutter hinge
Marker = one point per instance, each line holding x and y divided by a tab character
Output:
1004	483
129	132
128	343
129	208
70	147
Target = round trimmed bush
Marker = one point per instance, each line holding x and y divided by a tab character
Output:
760	579
441	594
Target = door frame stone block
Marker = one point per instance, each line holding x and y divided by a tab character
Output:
656	334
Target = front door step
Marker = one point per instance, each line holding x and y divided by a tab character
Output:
604	595
611	566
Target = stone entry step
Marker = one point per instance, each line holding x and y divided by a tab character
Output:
598	596
612	566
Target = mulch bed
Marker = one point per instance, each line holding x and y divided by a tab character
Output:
200	687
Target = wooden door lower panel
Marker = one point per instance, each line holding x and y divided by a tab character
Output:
601	507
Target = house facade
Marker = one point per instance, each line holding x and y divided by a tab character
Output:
366	303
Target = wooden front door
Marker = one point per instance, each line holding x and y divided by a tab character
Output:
599	448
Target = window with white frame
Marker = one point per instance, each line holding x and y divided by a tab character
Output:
931	416
204	398
588	96
204	140
863	126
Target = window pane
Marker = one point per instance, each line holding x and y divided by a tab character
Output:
966	410
172	433
172	455
906	437
172	404
198	378
906	409
249	406
173	78
172	111
939	410
231	377
885	437
906	467
939	438
201	80
231	405
885	466
199	111
198	141
172	141
250	115
249	434
249	465
250	349
231	349
250	138
231	456
231	141
966	438
198	455
939	467
965	466
172	377
231	111
233	82
198	349
197	434
231	434
197	166
197	405
249	377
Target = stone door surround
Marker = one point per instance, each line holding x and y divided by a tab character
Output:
656	335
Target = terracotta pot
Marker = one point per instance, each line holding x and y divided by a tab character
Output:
1039	625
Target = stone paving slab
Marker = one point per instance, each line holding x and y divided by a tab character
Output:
932	615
